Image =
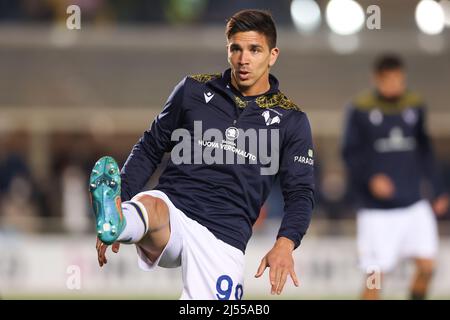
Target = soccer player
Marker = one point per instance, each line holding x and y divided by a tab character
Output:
230	135
387	152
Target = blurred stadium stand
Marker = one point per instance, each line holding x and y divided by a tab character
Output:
68	97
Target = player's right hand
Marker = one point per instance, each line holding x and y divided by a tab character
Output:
381	186
281	264
441	205
101	251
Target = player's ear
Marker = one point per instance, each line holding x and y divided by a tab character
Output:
274	52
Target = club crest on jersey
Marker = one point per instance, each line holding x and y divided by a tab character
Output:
410	116
270	120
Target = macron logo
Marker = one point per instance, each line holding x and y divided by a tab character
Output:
208	96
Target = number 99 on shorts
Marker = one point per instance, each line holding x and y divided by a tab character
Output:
225	289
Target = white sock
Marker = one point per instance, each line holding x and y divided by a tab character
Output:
136	219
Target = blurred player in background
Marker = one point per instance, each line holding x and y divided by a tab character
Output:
201	213
387	153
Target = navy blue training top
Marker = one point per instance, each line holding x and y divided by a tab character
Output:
226	152
389	137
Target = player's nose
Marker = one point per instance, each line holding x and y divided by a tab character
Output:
244	57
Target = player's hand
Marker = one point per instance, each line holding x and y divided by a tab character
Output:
281	264
440	205
381	186
101	251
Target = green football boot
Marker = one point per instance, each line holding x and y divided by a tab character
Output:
104	187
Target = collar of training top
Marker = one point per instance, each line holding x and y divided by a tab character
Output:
225	81
272	98
371	99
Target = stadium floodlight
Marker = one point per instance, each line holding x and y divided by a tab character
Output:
305	15
430	17
445	5
344	17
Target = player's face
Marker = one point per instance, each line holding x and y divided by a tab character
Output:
391	83
250	58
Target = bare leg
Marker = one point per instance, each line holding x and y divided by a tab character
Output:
158	233
422	278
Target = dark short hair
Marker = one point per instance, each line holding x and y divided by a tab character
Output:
387	62
253	20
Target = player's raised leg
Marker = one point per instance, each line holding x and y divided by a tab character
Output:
104	186
144	220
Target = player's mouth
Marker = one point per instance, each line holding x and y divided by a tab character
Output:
243	75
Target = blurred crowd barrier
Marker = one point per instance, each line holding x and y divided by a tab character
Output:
66	267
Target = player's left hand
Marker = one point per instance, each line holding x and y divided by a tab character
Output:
101	251
281	263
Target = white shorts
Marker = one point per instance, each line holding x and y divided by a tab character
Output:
211	268
385	236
